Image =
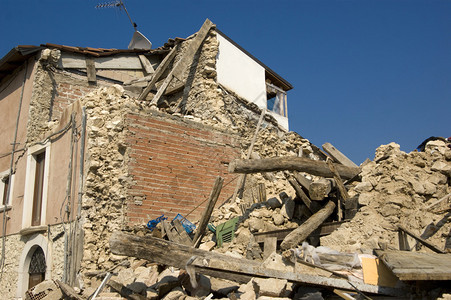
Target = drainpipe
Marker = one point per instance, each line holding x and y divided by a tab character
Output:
8	192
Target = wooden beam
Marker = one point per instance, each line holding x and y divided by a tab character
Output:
419	239
261	189
91	70
320	189
300	193
242	177
186	60
338	156
68	291
146	64
303	181
305	229
324	229
341	188
214	195
124	291
221	265
184	237
158	72
290	163
417	265
177	87
438	201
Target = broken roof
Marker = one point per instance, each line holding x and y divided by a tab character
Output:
21	53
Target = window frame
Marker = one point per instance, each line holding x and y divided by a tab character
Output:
30	181
3	175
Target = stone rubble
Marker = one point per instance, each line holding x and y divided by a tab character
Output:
396	189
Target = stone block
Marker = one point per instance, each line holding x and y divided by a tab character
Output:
278	219
223	287
288	208
271	287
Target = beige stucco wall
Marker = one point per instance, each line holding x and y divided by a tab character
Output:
9	108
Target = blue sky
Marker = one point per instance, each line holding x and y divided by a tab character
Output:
365	73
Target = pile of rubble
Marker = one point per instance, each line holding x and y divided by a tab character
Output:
397	190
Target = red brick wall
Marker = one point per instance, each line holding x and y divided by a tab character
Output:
174	164
65	95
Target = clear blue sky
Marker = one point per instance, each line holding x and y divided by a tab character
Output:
365	73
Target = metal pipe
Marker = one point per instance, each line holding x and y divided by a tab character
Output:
8	192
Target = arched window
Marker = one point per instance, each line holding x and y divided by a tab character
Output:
37	268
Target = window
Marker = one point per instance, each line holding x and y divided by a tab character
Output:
276	99
37	268
36	186
5	183
38	189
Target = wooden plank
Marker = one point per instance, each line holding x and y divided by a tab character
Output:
214	195
191	50
68	291
174	89
305	229
242	178
170	232
341	187
289	163
447	197
338	156
269	246
324	229
300	193
146	64
186	60
183	235
303	181
424	242
417	265
158	72
124	291
91	70
221	265
261	192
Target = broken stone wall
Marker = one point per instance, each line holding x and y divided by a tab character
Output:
174	163
107	178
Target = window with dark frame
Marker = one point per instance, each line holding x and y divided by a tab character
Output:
38	189
5	181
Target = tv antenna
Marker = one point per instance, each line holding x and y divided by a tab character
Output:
139	41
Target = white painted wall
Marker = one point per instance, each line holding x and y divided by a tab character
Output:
240	73
283	121
243	75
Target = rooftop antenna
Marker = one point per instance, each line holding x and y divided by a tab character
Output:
139	41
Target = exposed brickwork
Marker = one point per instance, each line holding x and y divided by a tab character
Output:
174	164
66	94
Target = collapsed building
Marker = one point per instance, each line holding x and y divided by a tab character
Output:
98	141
